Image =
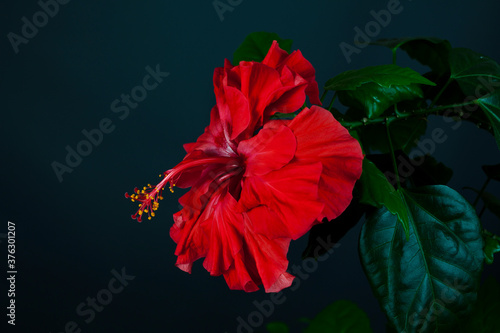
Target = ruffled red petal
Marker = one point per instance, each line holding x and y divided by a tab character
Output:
322	138
262	261
278	58
297	63
275	56
290	192
269	150
225	237
295	173
240	275
269	256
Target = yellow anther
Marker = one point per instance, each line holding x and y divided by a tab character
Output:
145	210
144	188
140	212
153	214
132	200
159	175
149	217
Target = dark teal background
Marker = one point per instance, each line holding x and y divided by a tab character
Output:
71	234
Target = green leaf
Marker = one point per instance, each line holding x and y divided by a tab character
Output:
492	171
375	99
374	89
340	317
404	134
429	51
425	283
484	317
453	94
491	246
284	116
277	327
383	75
491	107
377	191
475	73
256	45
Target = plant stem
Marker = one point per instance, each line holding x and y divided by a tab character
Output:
481	191
394	55
402	115
333	100
394	164
440	92
323	96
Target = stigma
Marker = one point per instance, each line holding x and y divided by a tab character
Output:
148	199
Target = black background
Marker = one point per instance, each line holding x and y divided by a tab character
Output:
71	234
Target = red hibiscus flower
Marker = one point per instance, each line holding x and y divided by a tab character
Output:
257	183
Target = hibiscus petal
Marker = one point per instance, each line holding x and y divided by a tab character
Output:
193	222
258	83
234	109
297	63
291	192
270	258
225	235
232	104
322	138
275	56
240	275
277	123
188	232
268	223
285	100
283	281
215	140
269	150
278	58
261	261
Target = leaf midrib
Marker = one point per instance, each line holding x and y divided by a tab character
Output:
424	256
